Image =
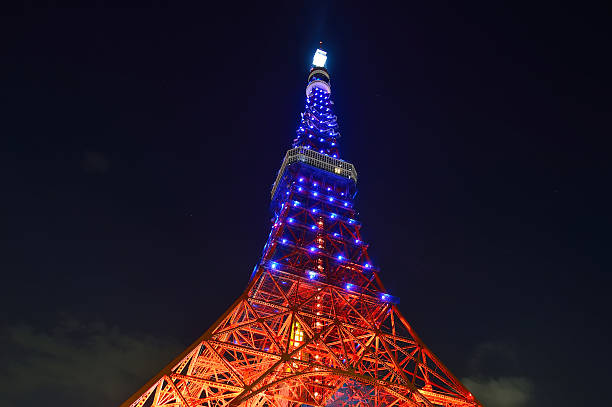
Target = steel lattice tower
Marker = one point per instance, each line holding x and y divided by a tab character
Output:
315	325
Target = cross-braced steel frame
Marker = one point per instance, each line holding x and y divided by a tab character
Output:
289	341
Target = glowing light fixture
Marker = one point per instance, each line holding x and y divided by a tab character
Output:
320	57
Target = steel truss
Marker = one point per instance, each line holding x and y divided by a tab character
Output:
290	341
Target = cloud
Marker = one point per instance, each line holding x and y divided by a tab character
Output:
95	162
495	359
93	364
496	376
76	363
501	392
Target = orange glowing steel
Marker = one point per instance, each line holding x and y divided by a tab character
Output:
272	349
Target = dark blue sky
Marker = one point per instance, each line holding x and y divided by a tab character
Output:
139	146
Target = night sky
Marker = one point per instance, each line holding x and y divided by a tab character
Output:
138	147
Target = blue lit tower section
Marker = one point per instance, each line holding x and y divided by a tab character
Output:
315	233
318	129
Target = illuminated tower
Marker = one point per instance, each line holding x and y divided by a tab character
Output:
315	325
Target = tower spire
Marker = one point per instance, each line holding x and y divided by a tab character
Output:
318	127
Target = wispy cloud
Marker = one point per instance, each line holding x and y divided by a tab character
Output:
496	378
502	391
94	364
95	162
77	363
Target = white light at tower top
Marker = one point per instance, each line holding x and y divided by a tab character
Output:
319	58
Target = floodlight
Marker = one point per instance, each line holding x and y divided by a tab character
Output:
320	57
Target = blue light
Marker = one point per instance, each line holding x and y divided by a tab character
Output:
312	275
351	221
331	199
349	286
340	257
357	241
329	188
313	227
273	265
314	210
336	234
346	204
290	220
315	194
315	184
367	265
333	216
321	140
284	240
313	249
301	179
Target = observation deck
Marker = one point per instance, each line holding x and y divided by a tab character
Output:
317	160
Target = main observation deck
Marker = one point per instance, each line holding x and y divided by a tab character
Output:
317	160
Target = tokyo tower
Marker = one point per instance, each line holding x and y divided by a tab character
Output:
315	325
